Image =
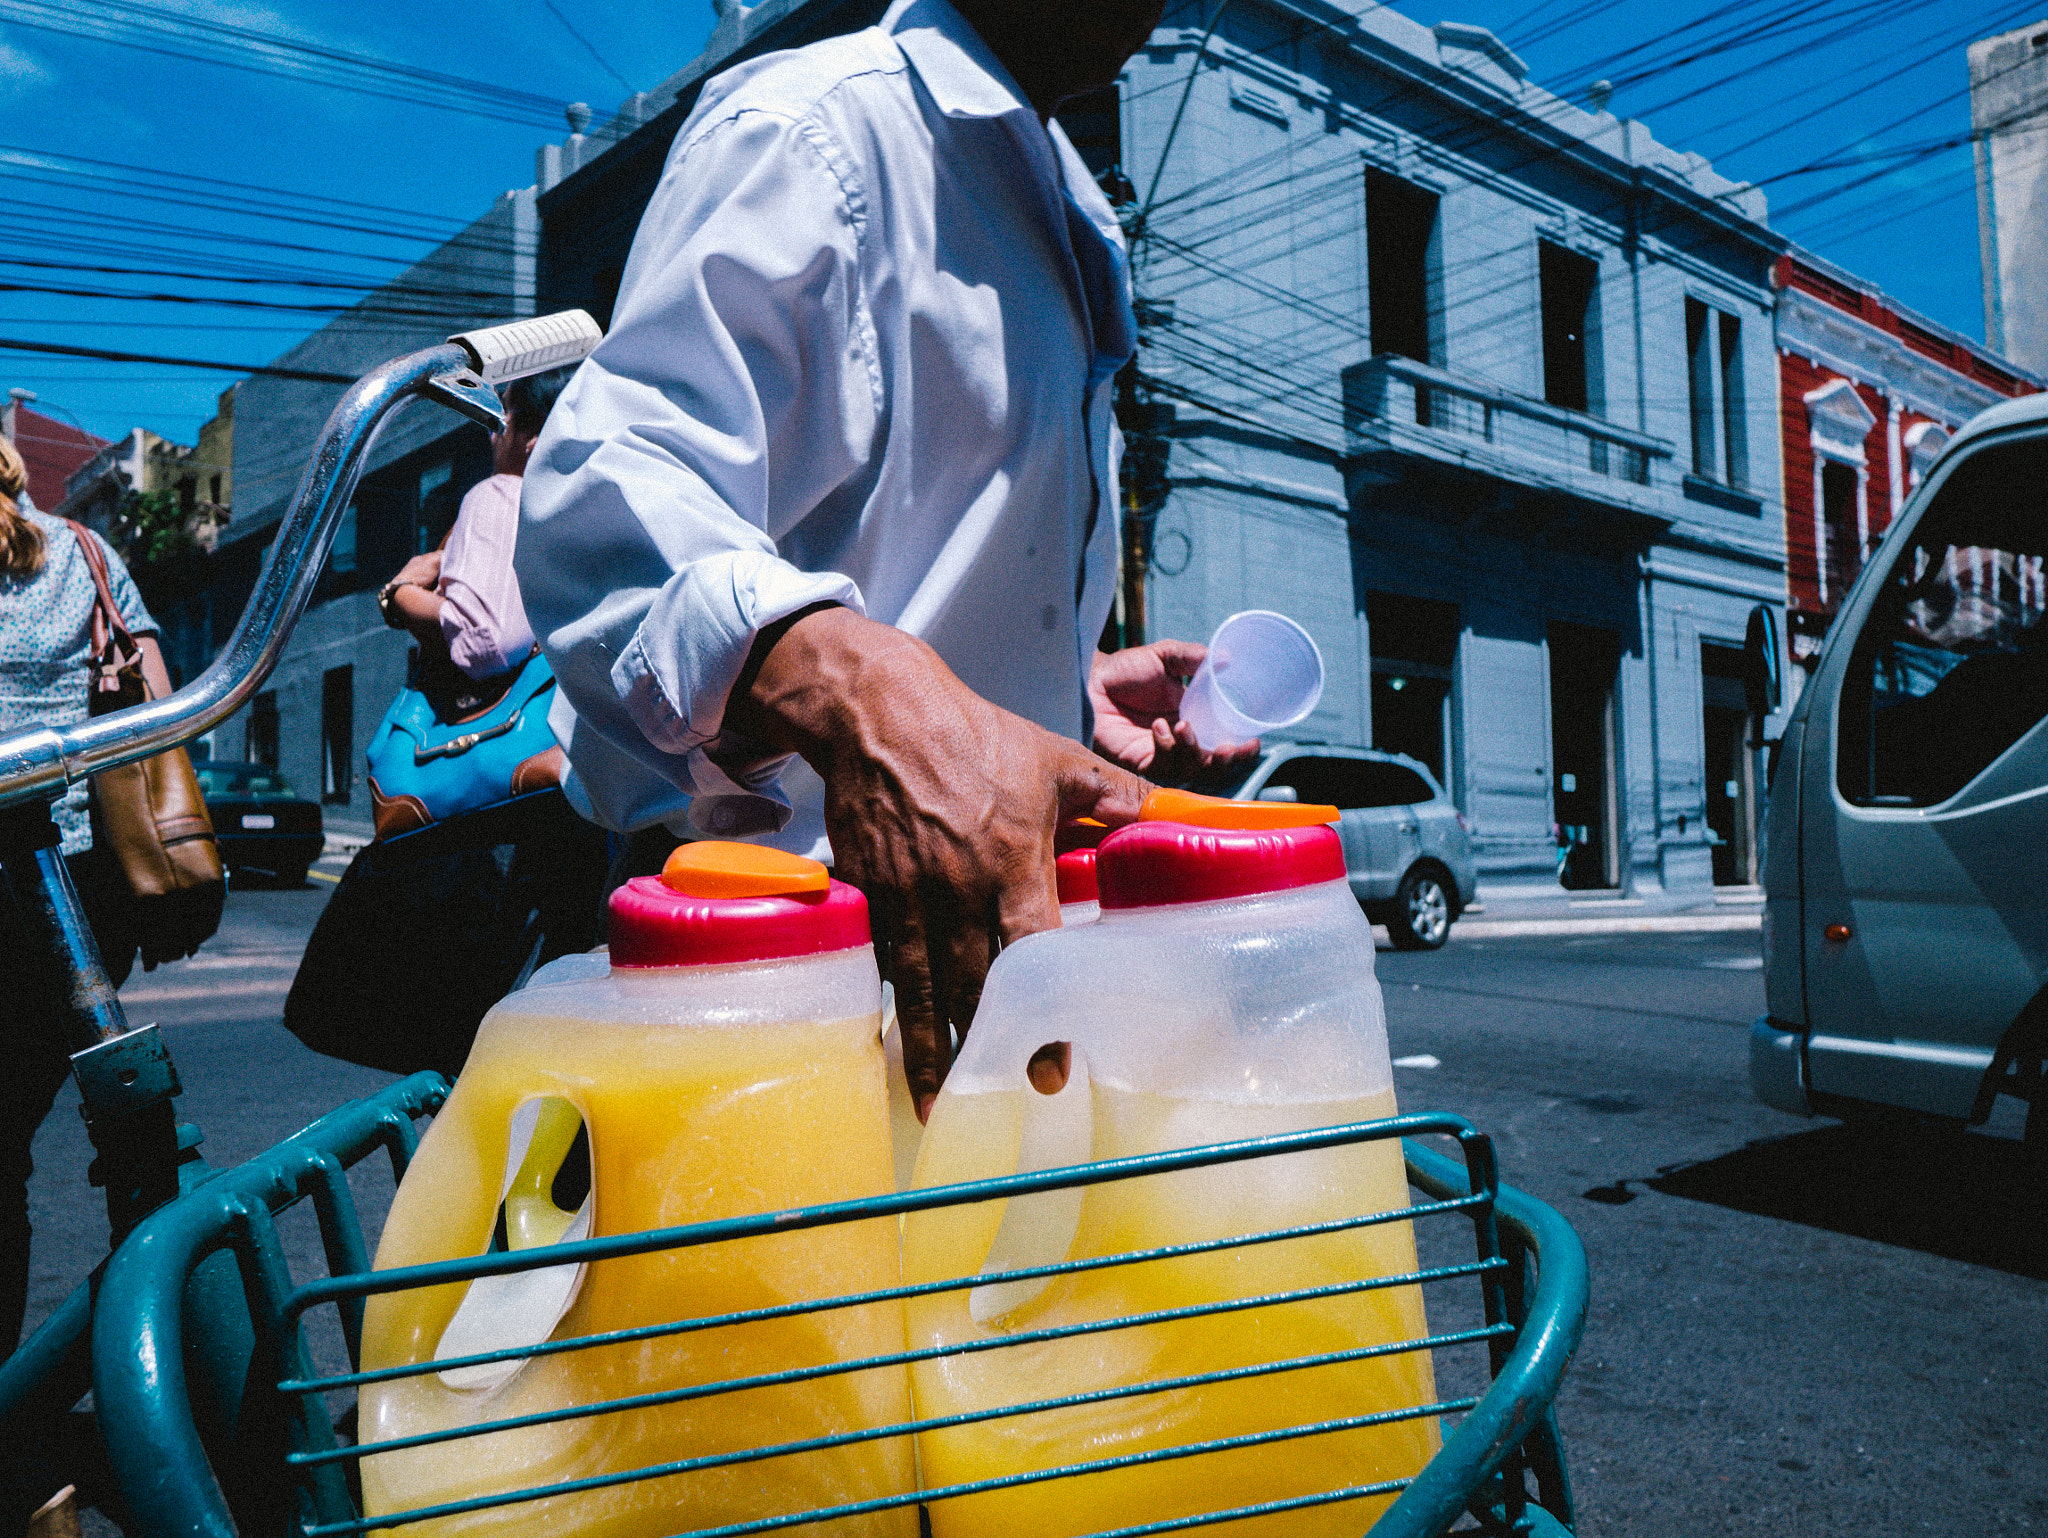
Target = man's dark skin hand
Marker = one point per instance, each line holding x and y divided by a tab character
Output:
940	807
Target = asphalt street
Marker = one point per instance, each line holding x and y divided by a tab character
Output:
1796	1328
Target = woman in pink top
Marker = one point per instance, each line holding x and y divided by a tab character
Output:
451	920
464	596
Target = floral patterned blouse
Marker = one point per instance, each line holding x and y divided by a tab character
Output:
46	648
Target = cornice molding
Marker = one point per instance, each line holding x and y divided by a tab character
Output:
1863	354
1527	112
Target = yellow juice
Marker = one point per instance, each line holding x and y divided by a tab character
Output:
686	1124
984	1141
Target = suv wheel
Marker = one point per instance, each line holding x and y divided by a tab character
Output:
1421	917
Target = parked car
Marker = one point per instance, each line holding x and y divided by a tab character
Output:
1407	848
261	825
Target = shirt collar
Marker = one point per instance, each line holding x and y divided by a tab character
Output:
956	66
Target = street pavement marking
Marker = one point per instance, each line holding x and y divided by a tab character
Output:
1638	924
1737	963
1420	1060
321	875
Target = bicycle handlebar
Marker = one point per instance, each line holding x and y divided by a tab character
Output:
41	762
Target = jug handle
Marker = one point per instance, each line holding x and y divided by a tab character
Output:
1039	1229
531	1217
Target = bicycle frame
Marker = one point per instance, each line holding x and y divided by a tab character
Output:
125	1076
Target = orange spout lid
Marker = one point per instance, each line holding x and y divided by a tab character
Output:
1184	806
713	869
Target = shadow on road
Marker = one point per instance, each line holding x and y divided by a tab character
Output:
1942	1192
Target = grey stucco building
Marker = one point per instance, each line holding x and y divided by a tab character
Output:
1480	387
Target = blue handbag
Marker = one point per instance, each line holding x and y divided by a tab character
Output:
449	745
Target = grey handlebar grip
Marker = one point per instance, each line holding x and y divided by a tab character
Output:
523	347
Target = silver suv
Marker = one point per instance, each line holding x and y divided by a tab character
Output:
1407	848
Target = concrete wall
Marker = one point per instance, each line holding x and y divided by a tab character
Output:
2008	94
482	276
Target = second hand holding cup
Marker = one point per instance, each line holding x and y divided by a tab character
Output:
1263	672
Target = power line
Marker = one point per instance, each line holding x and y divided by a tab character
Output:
173	34
105	355
588	46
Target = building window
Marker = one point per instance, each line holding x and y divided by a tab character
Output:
1403	269
213	489
1734	423
1838	426
1841	525
188	495
337	734
261	744
1571	355
1699	362
1923	444
1713	359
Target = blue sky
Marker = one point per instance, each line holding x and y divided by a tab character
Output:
372	182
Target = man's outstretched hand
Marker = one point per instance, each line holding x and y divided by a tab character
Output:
1136	693
940	806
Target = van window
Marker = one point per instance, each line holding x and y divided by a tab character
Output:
1352	784
1952	666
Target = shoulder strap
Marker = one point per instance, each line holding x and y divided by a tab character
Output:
108	628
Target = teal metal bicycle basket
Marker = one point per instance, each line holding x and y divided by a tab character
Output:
252	1432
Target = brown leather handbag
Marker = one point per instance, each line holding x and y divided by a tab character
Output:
150	815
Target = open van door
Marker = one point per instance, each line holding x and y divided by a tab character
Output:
1923	827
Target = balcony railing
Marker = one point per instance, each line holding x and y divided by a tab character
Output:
1398	406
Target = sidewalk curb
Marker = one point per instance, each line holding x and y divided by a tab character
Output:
1633	924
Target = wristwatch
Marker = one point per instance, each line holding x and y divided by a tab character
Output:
385	607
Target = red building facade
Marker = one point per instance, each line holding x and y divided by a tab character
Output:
1869	393
52	450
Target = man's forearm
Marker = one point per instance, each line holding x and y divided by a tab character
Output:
806	679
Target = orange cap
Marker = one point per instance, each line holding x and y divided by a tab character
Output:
712	869
1184	806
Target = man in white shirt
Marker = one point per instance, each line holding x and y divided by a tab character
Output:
841	484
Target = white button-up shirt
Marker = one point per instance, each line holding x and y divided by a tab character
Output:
862	352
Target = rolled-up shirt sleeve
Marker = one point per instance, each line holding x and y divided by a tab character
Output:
736	394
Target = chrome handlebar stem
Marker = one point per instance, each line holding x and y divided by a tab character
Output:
40	763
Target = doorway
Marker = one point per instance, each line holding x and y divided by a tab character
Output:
1729	766
1414	650
1583	663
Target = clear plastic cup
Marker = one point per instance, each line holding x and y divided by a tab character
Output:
1263	672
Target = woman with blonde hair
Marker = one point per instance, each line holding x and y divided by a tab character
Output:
47	598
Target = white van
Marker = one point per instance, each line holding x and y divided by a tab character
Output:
1906	863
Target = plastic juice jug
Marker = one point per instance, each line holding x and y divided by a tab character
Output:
727	1062
1226	992
1079	904
1075	871
1075	844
